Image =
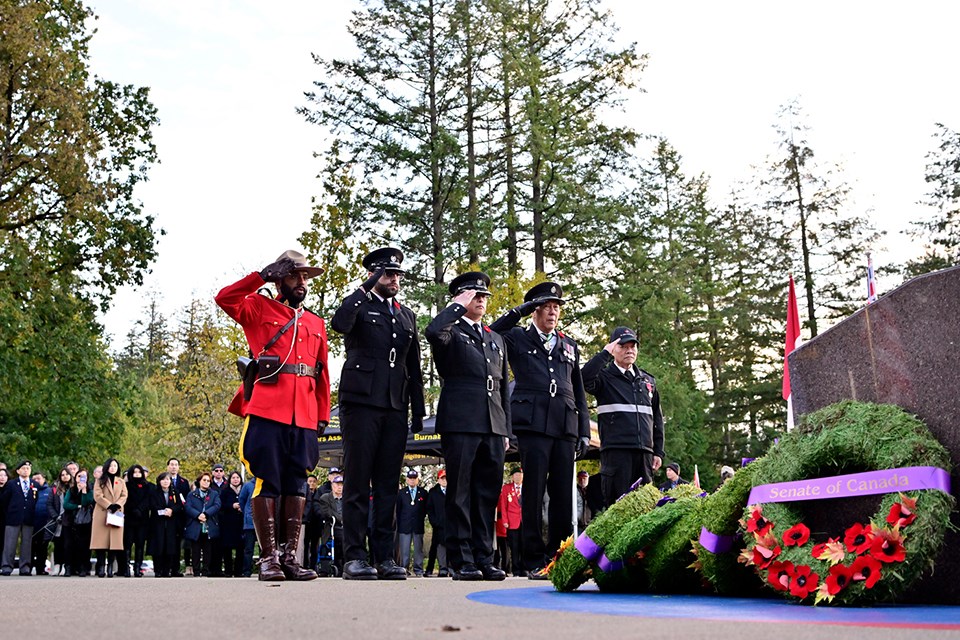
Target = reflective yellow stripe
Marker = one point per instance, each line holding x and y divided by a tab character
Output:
243	435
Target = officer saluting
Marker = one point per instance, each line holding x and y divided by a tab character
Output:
549	414
628	413
381	378
473	420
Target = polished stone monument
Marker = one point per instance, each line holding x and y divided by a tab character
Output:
903	349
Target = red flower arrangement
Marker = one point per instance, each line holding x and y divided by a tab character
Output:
872	545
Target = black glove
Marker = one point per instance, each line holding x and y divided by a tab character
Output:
527	308
322	426
416	424
372	280
278	270
114	508
583	443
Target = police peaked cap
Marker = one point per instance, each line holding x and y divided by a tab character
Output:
388	259
470	281
545	292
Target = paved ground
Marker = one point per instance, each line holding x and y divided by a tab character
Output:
210	608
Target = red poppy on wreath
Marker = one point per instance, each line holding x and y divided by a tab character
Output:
765	551
840	576
804	581
888	546
757	524
797	535
866	568
902	513
858	538
780	575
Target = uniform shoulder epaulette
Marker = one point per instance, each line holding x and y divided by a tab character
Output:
648	374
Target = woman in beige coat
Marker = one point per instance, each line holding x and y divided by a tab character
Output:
109	494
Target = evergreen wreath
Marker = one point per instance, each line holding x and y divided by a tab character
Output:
868	562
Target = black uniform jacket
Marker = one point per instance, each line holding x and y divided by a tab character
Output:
411	512
383	354
19	509
473	368
628	411
548	396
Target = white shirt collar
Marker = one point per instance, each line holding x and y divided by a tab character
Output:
622	370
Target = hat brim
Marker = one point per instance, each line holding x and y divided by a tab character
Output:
546	299
312	272
627	339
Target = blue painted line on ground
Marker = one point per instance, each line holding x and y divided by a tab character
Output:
591	600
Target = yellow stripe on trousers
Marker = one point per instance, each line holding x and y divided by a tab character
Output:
246	464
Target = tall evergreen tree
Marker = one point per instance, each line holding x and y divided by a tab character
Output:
940	232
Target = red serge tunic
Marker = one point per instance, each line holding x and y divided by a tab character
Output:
300	400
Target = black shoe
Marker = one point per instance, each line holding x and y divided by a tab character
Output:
492	572
520	574
443	574
359	570
5	572
467	572
388	570
24	572
538	574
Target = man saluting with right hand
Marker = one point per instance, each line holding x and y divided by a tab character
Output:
381	378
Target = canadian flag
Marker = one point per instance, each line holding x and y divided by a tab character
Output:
793	337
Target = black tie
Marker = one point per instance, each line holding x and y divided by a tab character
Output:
479	331
389	306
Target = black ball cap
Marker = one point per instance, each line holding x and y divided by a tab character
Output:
623	335
545	292
388	259
470	281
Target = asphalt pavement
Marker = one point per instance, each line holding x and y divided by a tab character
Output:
38	607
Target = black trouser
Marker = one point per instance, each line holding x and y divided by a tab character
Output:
216	558
311	540
620	468
249	538
474	477
547	466
200	550
165	564
232	559
515	544
373	444
79	545
135	534
39	550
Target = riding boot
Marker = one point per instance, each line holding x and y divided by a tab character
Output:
264	521
292	517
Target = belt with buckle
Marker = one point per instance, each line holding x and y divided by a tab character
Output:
299	370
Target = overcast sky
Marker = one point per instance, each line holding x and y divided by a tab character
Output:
237	170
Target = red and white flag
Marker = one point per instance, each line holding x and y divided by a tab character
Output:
871	281
793	337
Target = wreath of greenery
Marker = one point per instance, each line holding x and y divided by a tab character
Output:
721	515
570	569
869	562
654	547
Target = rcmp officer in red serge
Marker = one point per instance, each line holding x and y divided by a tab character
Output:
628	413
290	399
381	379
473	420
549	413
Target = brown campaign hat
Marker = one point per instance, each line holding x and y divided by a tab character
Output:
300	263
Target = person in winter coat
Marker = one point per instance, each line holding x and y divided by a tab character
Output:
58	517
166	511
202	509
231	526
78	513
42	525
249	531
109	496
136	524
